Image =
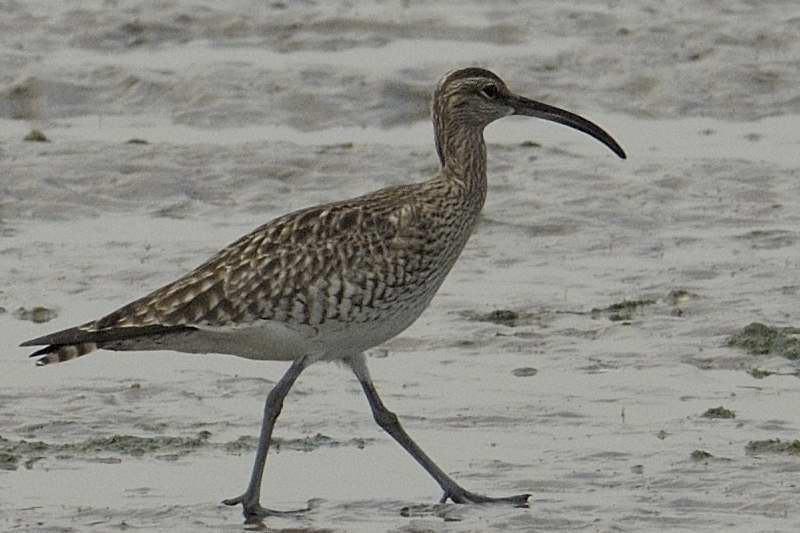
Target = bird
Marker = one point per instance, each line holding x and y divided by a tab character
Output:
328	282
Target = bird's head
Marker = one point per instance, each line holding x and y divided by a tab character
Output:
475	97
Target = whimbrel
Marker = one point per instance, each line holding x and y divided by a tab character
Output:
330	281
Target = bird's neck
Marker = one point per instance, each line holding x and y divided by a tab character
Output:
462	154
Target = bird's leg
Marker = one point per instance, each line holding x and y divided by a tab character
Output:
252	509
389	422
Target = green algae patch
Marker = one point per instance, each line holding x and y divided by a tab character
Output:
36	136
530	144
8	461
718	412
756	447
21	447
502	317
678	297
314	442
134	445
246	443
760	373
524	372
759	339
108	449
13	452
704	456
622	311
37	314
700	455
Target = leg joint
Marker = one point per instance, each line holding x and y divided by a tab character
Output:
386	418
274	403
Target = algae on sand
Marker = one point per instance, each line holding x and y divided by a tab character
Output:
623	310
37	314
36	136
8	461
135	445
12	451
759	339
773	446
503	317
700	455
303	444
719	412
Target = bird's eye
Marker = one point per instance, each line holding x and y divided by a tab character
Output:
490	91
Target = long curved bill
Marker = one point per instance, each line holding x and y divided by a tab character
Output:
532	108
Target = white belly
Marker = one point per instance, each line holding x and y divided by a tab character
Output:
277	341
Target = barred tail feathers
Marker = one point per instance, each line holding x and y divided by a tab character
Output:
64	352
74	342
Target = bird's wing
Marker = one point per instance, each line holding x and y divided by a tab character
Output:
279	271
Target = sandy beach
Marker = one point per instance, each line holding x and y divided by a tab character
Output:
581	348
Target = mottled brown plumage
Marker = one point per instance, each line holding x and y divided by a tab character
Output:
351	262
330	281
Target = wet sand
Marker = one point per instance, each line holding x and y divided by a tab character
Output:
572	353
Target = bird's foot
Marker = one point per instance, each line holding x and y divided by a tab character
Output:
254	512
460	495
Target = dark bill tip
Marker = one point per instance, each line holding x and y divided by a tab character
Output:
532	108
